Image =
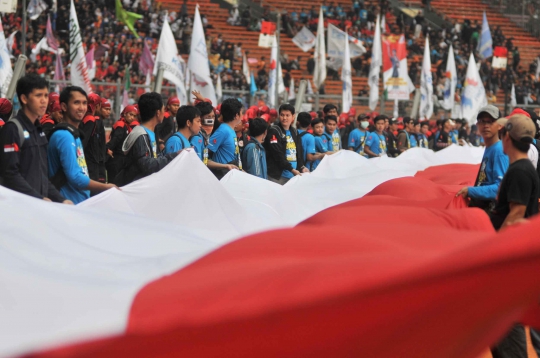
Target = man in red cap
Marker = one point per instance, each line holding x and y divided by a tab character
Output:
93	139
167	128
120	131
52	117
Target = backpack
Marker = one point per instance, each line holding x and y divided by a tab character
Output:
344	133
20	129
60	179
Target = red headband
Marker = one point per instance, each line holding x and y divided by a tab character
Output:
173	100
105	103
54	107
129	109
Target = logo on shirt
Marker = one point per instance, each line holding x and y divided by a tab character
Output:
8	148
273	140
215	141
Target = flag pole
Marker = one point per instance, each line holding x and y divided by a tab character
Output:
278	30
23	30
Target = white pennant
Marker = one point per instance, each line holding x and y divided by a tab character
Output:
346	79
426	85
319	75
79	68
6	72
473	96
375	67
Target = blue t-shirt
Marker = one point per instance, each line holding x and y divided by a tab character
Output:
197	142
412	140
423	140
224	145
357	139
336	141
290	154
308	144
152	136
321	146
67	153
454	136
176	142
376	143
494	165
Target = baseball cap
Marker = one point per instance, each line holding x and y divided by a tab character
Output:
519	127
491	110
392	121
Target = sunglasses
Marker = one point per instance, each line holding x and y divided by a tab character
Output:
485	122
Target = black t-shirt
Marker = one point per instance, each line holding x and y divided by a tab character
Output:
520	185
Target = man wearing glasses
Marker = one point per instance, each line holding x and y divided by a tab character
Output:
494	163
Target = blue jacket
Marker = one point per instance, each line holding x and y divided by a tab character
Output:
254	159
66	152
494	165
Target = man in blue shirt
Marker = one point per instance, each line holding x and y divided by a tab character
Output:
223	144
375	145
494	163
303	121
358	136
421	129
188	119
406	138
67	164
322	145
254	154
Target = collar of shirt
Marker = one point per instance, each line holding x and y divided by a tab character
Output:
27	123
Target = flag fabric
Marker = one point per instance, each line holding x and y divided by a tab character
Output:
513	100
304	39
127	86
275	78
219	90
43	45
252	86
198	61
500	57
11	42
148	81
336	43
91	63
319	75
167	58
473	96
485	45
428	280
35	8
146	62
51	40
245	69
537	69
426	85
346	79
396	78
127	18
375	67
59	74
292	92
6	71
79	68
450	81
396	108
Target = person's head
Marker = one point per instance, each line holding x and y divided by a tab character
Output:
286	115
208	116
258	127
330	110
105	108
363	122
459	123
386	123
94	104
416	127
5	109
303	120
330	124
409	124
172	105
447	125
487	122
150	107
129	114
318	126
380	122
189	117
393	125
517	133
439	124
424	127
231	111
32	91
74	103
55	111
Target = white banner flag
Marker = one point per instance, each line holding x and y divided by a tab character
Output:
395	75
167	58
275	78
79	68
426	85
513	100
304	39
6	71
8	6
219	90
375	67
336	43
451	81
473	96
319	75
35	8
198	62
245	69
346	78
292	93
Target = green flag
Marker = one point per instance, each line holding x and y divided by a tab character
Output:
127	18
127	79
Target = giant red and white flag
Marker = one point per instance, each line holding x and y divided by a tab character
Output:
395	72
79	67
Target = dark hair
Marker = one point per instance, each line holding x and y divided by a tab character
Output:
424	123
230	108
328	108
315	122
185	114
523	147
286	107
330	118
304	119
407	120
149	104
65	95
363	117
439	122
205	108
257	126
380	117
28	83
